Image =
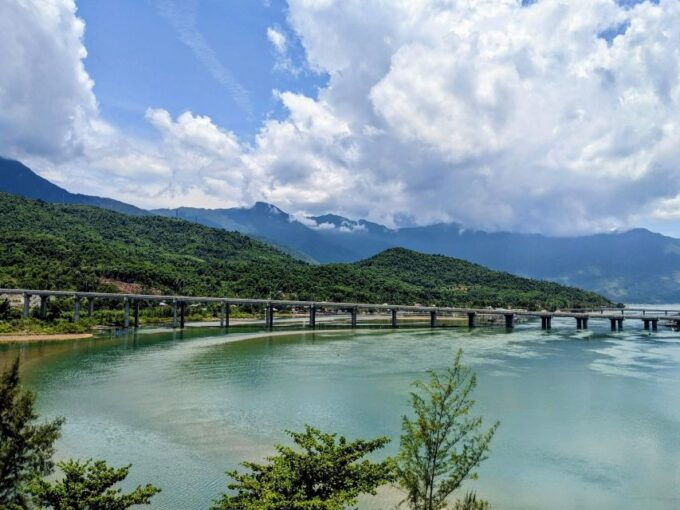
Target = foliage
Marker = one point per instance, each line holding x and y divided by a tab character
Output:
38	327
51	246
442	445
89	486
328	474
26	447
470	502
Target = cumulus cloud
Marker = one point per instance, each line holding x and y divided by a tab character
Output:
551	116
46	97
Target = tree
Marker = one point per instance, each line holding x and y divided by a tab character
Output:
441	446
26	447
328	474
89	486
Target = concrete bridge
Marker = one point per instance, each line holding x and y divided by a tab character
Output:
132	303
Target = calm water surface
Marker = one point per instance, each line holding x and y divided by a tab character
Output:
589	419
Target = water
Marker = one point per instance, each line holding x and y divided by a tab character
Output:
589	419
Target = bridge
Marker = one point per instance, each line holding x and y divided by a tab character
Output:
132	302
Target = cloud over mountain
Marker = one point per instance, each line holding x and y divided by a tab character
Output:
549	116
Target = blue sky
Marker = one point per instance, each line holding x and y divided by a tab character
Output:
137	59
551	116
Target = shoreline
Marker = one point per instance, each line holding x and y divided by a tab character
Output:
55	337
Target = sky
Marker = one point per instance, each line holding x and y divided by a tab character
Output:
551	116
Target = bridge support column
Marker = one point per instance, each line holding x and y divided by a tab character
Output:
90	306
655	325
126	313
620	324
27	305
584	322
646	324
270	316
394	318
174	313
76	309
354	317
612	324
544	322
312	317
472	319
548	322
509	320
223	314
433	319
137	304
182	311
43	306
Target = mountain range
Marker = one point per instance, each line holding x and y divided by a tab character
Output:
633	266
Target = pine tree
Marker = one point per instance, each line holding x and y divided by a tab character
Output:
26	447
441	446
89	486
328	474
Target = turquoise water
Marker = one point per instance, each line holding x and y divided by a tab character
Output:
588	419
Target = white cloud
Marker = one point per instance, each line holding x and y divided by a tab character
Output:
482	112
278	40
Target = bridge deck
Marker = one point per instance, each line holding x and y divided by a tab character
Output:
599	313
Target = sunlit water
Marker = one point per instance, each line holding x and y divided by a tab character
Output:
589	419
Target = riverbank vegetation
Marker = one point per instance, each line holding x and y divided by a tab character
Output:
51	246
440	447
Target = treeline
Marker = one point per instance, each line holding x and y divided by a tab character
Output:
50	246
441	446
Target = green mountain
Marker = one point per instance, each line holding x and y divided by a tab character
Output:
57	246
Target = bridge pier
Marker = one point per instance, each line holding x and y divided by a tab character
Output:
182	310
90	306
612	324
312	317
546	322
509	320
27	305
126	313
76	309
269	318
620	324
174	313
354	317
394	318
584	322
472	320
137	304
433	319
224	315
43	306
655	325
579	325
646	324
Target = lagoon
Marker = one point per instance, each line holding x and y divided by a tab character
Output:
589	419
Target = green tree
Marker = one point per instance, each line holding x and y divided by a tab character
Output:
26	446
329	473
89	486
442	445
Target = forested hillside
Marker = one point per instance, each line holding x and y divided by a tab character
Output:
87	248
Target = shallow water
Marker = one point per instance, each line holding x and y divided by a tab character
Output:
589	419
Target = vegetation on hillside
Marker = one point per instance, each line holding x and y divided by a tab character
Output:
51	246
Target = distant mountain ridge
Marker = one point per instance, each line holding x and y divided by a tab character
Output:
633	266
18	179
